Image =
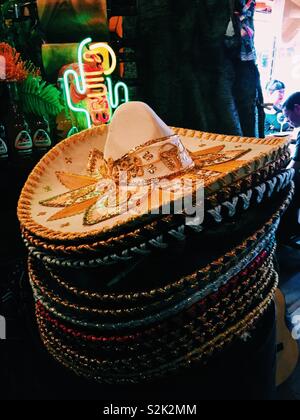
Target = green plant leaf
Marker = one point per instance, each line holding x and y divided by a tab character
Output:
39	98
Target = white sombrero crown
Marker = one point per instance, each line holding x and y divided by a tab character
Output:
142	145
133	125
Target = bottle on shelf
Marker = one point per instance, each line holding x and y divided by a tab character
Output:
18	133
41	135
3	145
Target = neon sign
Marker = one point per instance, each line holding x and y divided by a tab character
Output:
91	81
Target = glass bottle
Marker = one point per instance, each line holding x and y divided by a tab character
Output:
3	145
18	134
41	136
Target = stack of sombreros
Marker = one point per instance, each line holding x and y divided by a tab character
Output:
150	248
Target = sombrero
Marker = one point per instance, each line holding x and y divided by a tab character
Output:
157	235
126	292
108	180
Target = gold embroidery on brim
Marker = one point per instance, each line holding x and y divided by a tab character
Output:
74	210
211	151
68	198
206	175
79	200
132	165
65	225
170	156
89	218
96	157
119	206
219	159
152	169
210	160
148	156
226	167
74	181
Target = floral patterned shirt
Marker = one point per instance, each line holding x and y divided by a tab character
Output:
245	10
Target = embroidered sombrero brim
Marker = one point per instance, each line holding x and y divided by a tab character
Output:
65	199
240	197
